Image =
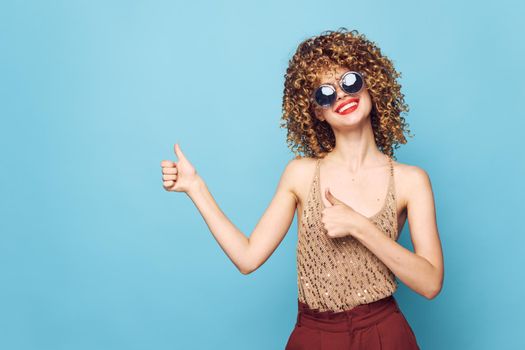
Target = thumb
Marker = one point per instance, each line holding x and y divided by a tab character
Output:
331	197
178	152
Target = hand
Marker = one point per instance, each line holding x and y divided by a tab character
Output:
340	220
178	177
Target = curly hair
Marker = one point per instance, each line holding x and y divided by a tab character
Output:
312	137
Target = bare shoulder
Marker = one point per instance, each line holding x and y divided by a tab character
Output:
297	175
409	171
409	178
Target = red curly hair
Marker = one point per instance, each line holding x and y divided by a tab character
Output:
341	48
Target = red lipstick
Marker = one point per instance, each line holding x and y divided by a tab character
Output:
350	109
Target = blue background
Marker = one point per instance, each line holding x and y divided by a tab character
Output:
94	254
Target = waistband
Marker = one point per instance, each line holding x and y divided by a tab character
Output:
360	316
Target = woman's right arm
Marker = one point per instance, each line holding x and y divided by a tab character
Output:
247	253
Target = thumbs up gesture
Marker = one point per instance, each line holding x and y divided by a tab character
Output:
340	220
178	176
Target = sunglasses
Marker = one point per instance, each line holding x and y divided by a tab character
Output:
351	82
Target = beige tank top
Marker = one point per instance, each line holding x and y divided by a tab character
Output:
340	273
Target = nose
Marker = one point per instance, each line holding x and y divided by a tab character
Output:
340	93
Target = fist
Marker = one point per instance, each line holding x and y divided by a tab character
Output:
178	176
340	220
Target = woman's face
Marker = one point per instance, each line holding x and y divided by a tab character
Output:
360	104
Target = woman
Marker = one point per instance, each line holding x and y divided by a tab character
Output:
342	109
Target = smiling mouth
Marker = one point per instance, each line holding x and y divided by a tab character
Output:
348	107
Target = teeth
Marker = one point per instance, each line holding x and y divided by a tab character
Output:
348	105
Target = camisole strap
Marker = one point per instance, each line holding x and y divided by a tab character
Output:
392	181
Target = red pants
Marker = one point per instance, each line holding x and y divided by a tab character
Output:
379	325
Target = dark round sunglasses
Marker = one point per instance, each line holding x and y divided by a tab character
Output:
351	82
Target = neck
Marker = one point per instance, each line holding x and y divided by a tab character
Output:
356	149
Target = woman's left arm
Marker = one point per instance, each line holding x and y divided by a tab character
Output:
423	269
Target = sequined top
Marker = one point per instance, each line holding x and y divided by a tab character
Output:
339	273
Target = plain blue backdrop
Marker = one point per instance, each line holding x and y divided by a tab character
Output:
94	254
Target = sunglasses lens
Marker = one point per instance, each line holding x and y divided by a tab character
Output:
352	82
325	96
